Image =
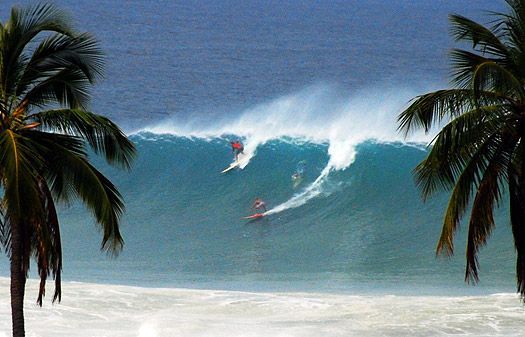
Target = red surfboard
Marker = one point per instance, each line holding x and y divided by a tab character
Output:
254	216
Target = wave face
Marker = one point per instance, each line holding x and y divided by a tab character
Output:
363	228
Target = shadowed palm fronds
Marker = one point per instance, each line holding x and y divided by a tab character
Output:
46	73
479	153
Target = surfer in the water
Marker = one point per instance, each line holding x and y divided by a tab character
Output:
259	204
237	148
299	172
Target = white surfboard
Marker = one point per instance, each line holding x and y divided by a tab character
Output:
241	161
231	167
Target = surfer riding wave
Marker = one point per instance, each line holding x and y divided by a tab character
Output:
237	148
259	205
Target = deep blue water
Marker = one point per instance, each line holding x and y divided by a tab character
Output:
229	66
187	59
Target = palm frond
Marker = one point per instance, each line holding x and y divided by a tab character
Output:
428	110
456	145
483	39
467	182
38	18
464	63
5	232
102	134
52	145
513	24
516	176
15	72
95	190
68	87
492	77
58	52
48	247
22	26
488	196
19	163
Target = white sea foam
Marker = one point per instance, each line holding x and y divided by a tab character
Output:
309	192
91	310
318	114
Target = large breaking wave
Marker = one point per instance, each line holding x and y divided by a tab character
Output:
320	114
355	220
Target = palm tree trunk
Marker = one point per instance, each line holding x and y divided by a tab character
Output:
18	282
517	219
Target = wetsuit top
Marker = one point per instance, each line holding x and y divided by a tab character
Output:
237	145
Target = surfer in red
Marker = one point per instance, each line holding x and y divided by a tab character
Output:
259	204
237	148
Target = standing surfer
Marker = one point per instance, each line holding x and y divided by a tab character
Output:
237	148
297	176
259	204
299	171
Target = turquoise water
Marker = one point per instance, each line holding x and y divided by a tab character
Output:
366	231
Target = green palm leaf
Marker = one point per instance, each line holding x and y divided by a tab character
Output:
94	189
18	162
22	27
430	109
103	136
492	77
59	52
488	195
61	187
483	39
480	152
48	246
467	182
464	63
69	87
463	142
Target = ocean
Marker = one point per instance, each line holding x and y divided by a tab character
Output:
347	250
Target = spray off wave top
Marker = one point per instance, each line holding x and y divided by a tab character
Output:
317	114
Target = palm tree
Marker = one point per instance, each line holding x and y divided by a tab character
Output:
479	155
46	70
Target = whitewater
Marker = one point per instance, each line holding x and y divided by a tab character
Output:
119	311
